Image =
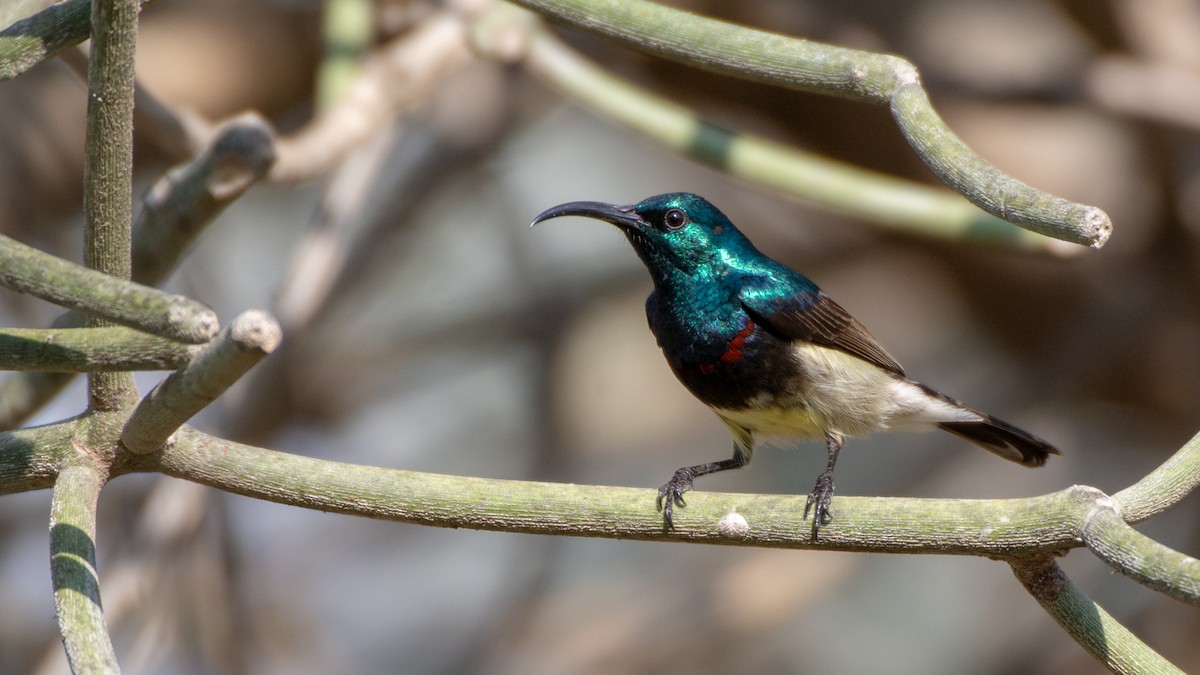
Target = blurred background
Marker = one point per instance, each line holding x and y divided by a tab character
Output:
428	328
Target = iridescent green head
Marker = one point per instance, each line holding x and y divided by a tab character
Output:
672	233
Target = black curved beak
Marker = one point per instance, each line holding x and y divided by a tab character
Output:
623	217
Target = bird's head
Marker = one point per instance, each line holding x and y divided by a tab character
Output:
673	233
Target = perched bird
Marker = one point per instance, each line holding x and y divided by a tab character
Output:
770	353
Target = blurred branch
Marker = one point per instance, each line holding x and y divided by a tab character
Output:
1107	640
1157	92
398	76
809	66
902	204
34	39
189	197
245	341
347	29
28	270
88	349
73	568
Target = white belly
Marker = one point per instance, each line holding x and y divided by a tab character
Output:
844	395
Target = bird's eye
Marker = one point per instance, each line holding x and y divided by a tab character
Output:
675	219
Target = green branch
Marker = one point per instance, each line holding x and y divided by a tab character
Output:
28	270
1110	642
73	569
108	171
999	528
873	78
248	339
30	459
1163	487
897	203
88	350
1141	558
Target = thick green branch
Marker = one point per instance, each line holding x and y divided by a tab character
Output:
1110	642
28	270
108	169
247	340
1163	487
901	204
31	458
970	527
1141	558
88	349
73	568
864	76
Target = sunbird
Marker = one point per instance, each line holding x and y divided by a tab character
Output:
770	353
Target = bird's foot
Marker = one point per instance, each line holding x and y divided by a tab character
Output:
670	495
819	500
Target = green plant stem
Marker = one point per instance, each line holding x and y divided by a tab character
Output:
1110	642
31	458
28	270
901	204
247	340
73	568
108	171
1163	487
874	78
999	528
88	350
1141	558
179	206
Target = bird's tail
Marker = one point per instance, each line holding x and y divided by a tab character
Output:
995	435
1003	439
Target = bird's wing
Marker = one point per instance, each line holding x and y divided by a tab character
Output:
812	316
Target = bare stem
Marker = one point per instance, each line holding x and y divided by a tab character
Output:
1110	642
246	341
864	76
73	568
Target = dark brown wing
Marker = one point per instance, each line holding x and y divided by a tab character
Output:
814	317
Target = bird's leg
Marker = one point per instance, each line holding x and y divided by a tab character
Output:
671	494
822	493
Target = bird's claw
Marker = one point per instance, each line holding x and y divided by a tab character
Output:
671	495
819	500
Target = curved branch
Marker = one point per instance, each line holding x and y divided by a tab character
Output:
873	78
1163	487
902	204
1141	558
1107	640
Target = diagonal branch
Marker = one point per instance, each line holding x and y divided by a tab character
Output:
864	76
1107	640
247	340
